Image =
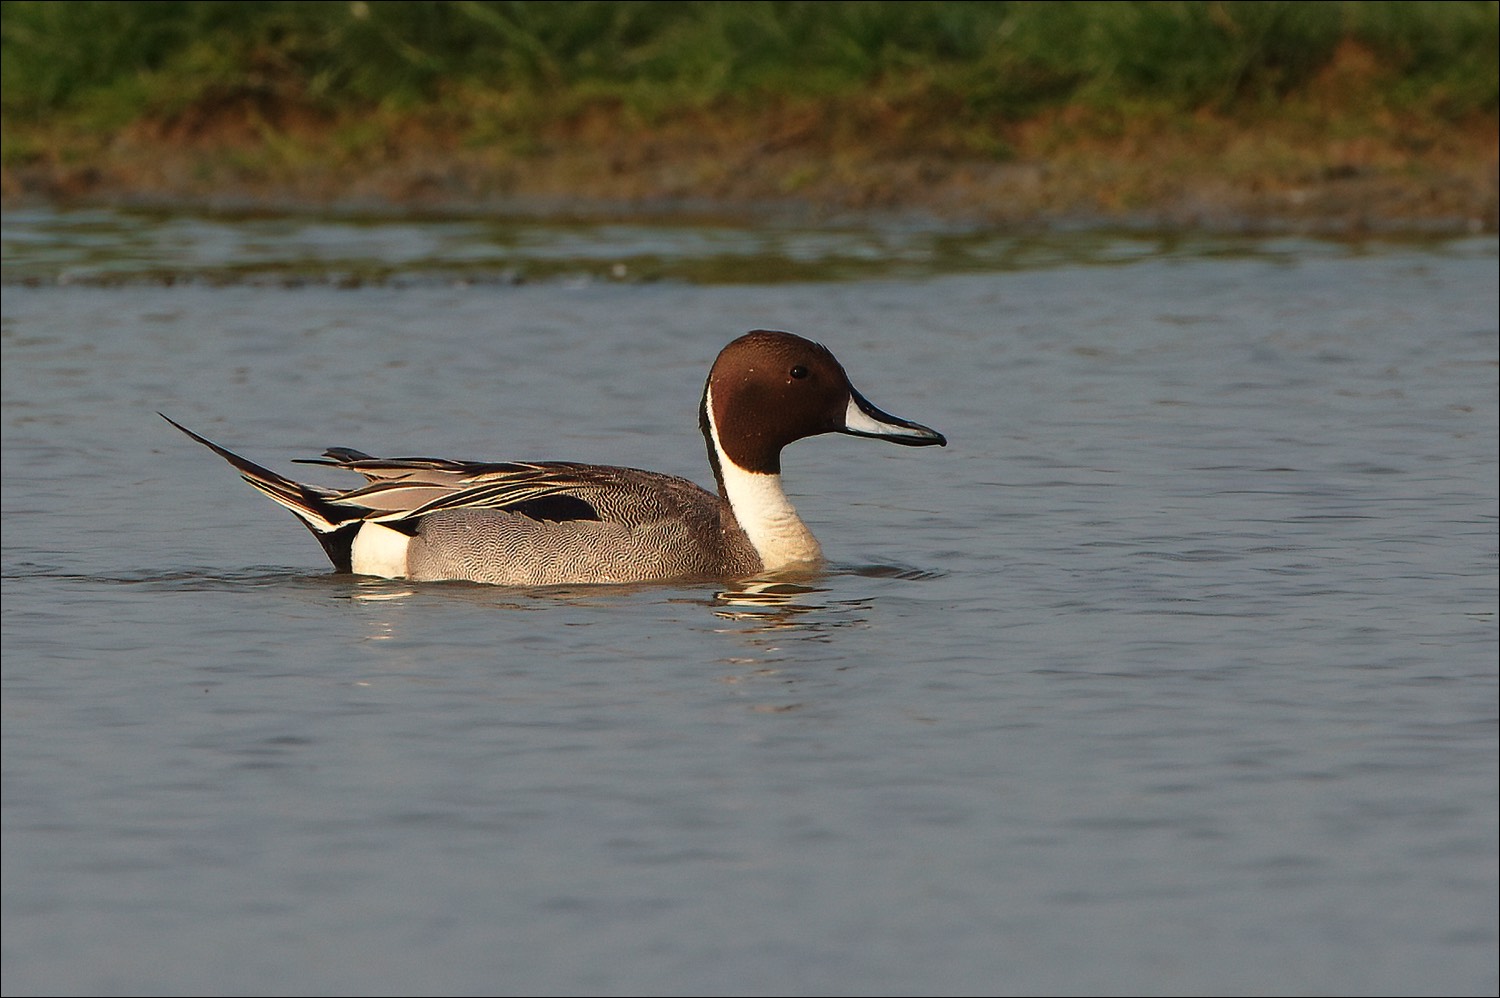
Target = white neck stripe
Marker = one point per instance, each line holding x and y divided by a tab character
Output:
765	514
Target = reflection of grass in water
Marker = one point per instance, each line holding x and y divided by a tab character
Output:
503	70
108	249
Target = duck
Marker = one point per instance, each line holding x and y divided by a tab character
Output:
540	523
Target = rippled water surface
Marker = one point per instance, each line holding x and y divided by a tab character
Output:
1174	673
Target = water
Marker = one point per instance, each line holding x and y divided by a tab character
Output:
1174	674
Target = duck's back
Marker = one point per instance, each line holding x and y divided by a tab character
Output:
611	525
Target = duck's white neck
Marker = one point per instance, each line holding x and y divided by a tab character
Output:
765	513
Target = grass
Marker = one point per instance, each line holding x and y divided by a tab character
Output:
353	84
116	60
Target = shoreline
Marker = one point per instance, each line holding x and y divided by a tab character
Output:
1334	210
1205	175
1339	119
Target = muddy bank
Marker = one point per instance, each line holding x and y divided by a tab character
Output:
1212	176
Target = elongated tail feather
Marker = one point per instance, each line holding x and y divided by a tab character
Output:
334	524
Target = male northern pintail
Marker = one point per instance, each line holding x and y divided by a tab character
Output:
554	522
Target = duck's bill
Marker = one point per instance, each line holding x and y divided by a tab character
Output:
864	420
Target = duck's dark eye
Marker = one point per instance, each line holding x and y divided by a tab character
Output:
799	372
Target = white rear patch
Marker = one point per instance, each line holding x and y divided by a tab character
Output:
380	551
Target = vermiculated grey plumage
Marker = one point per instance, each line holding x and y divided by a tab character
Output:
650	526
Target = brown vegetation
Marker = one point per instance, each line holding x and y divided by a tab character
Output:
1293	169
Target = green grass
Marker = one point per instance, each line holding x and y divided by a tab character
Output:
98	65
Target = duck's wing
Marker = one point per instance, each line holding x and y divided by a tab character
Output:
429	469
408	488
540	493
